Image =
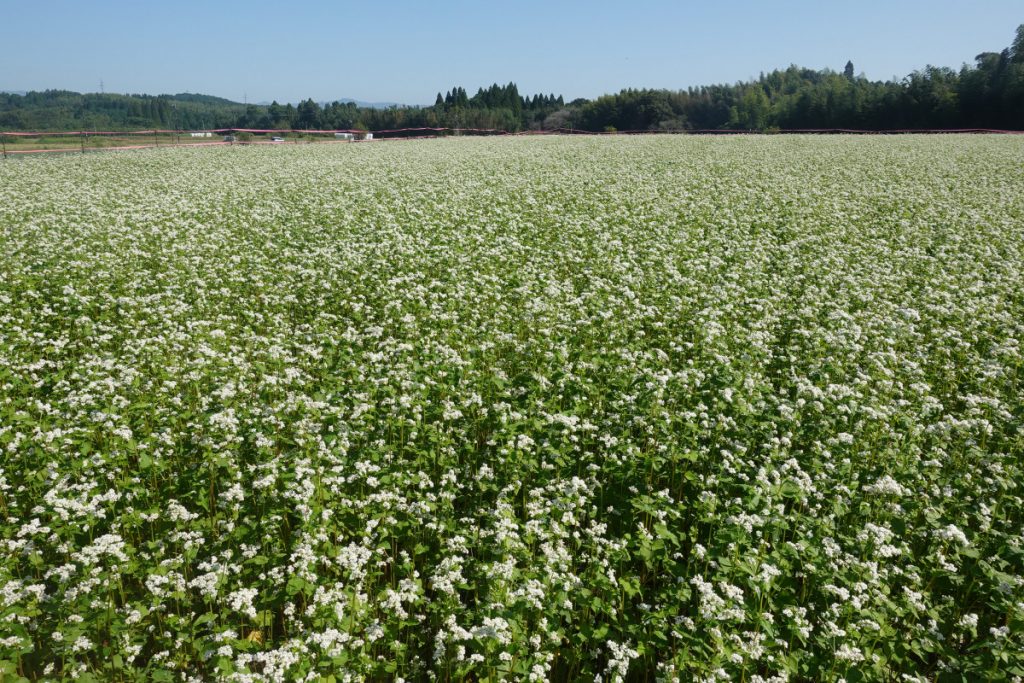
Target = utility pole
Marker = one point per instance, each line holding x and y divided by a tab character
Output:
101	86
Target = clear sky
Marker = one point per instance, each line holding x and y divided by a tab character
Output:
403	51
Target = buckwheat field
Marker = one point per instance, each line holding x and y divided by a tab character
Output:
602	409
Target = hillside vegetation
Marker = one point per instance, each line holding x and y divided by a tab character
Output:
989	93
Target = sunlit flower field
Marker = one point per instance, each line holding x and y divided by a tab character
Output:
599	409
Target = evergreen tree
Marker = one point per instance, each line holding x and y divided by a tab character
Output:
308	115
1017	48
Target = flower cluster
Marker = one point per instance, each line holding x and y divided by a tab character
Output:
628	408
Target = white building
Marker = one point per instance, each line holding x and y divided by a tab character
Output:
201	134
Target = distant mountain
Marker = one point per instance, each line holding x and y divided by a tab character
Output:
366	105
362	104
201	99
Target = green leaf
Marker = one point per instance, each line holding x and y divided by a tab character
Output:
204	619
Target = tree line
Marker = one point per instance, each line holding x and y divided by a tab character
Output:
988	93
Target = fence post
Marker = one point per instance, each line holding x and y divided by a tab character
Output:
81	137
3	143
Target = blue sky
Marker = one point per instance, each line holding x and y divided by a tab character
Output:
408	51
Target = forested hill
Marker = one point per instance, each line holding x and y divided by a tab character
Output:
988	93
